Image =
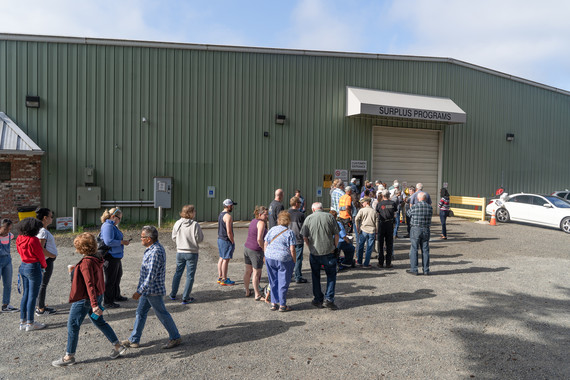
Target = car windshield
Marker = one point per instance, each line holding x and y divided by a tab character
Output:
559	202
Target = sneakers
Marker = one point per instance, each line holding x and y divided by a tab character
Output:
219	280
227	282
172	343
330	305
46	311
116	353
9	309
174	298
35	326
63	363
317	304
128	344
189	300
22	327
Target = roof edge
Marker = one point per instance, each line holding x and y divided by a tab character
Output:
266	50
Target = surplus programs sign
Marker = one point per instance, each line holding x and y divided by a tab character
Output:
413	113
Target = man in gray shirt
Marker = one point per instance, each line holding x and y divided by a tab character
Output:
297	219
275	208
321	232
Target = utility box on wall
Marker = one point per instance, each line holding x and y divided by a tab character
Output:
89	197
162	192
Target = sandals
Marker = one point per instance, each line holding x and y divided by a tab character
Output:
258	298
283	309
274	307
247	293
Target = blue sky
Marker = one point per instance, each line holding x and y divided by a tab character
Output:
523	38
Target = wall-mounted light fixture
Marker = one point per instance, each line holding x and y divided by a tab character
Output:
280	119
265	134
144	120
510	137
32	101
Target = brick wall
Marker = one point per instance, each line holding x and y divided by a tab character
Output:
24	187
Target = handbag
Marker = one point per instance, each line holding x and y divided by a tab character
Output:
102	248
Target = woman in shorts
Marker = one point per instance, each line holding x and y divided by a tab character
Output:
253	251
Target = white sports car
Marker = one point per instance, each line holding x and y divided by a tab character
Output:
544	210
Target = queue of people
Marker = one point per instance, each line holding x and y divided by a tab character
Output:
276	237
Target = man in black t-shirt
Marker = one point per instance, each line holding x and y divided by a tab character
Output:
275	208
386	210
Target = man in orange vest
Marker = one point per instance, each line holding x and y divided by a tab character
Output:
345	209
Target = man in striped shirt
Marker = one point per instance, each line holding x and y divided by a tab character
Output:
151	290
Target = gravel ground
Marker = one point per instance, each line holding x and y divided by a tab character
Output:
495	307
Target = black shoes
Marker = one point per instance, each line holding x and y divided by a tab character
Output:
412	273
318	305
122	299
330	305
301	281
111	305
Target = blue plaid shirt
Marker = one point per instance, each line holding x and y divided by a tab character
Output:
153	269
421	214
335	198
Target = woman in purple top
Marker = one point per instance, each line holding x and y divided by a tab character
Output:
280	256
253	251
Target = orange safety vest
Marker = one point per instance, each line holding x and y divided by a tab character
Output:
344	202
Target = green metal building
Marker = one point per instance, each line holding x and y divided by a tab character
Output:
242	122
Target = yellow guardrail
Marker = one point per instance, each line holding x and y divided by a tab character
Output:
468	201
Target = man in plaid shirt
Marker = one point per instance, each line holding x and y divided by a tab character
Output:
151	290
421	214
336	194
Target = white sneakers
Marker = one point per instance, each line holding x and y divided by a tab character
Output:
33	326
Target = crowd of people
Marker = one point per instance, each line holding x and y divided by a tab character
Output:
368	218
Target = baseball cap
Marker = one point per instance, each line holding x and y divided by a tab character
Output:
229	202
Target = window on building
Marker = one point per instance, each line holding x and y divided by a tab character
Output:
5	171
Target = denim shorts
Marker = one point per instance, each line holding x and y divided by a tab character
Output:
226	249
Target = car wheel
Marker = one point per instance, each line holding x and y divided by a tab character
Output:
502	215
565	225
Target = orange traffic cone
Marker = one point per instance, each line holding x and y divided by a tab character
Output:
493	220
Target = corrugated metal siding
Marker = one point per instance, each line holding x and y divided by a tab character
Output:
207	111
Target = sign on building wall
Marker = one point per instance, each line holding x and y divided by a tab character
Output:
341	173
327	181
358	165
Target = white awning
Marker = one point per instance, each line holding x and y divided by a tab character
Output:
13	140
395	105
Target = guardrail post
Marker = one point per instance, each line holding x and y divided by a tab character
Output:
74	220
159	216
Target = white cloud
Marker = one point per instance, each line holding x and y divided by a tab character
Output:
523	38
314	25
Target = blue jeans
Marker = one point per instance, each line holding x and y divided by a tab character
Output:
369	239
31	278
299	262
419	238
329	262
279	273
443	218
190	261
6	274
157	303
397	223
348	250
77	314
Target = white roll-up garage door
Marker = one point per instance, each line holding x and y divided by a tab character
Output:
409	155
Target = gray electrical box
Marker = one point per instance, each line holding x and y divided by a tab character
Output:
89	175
162	192
89	197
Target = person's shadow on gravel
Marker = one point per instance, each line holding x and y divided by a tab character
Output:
368	299
222	336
